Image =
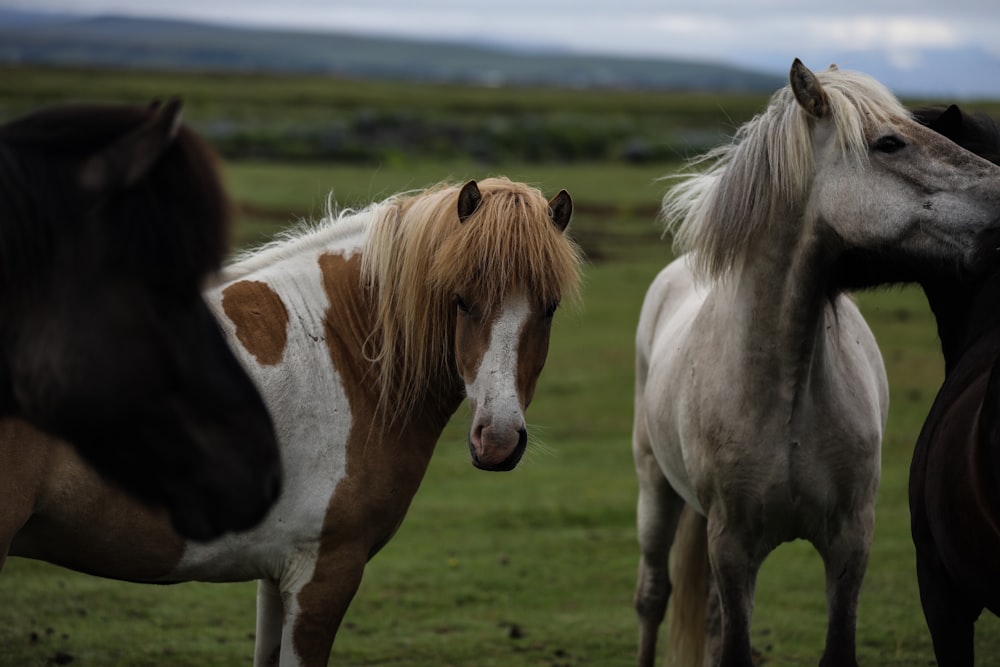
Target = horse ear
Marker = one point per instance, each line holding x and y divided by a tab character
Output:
468	200
128	158
808	91
561	209
949	123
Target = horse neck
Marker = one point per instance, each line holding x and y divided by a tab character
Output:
952	309
964	311
351	323
781	297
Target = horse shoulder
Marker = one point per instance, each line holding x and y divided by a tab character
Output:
278	322
666	314
662	376
347	486
858	360
259	319
671	301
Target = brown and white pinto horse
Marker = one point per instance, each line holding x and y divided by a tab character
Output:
111	217
364	334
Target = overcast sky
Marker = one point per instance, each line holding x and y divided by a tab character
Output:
723	30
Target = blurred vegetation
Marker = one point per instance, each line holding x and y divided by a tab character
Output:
330	119
327	119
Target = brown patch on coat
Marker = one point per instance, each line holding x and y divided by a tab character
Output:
260	317
385	465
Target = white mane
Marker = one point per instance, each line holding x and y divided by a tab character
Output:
718	214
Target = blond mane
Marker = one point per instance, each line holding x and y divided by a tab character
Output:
716	214
418	255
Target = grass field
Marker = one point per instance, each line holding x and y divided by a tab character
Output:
534	567
531	568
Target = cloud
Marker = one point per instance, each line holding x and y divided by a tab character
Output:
706	29
884	32
862	32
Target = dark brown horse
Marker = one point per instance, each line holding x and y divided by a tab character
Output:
111	217
955	473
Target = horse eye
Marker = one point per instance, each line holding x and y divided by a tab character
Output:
551	310
463	307
888	144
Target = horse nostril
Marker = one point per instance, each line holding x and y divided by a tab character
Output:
522	437
477	433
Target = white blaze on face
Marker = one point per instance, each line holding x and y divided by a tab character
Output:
497	416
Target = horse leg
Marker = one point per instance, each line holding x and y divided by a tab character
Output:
270	615
315	608
25	461
657	514
713	626
735	570
13	519
951	618
845	557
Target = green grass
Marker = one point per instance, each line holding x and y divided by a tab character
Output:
351	121
550	548
535	567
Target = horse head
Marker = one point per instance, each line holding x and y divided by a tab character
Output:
963	303
867	184
112	218
509	265
890	186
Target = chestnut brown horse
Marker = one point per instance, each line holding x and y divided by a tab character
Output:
111	218
364	333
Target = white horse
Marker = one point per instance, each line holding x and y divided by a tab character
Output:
364	335
761	396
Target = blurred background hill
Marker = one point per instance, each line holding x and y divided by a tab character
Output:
117	41
918	49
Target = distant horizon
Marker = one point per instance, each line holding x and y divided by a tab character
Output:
916	58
